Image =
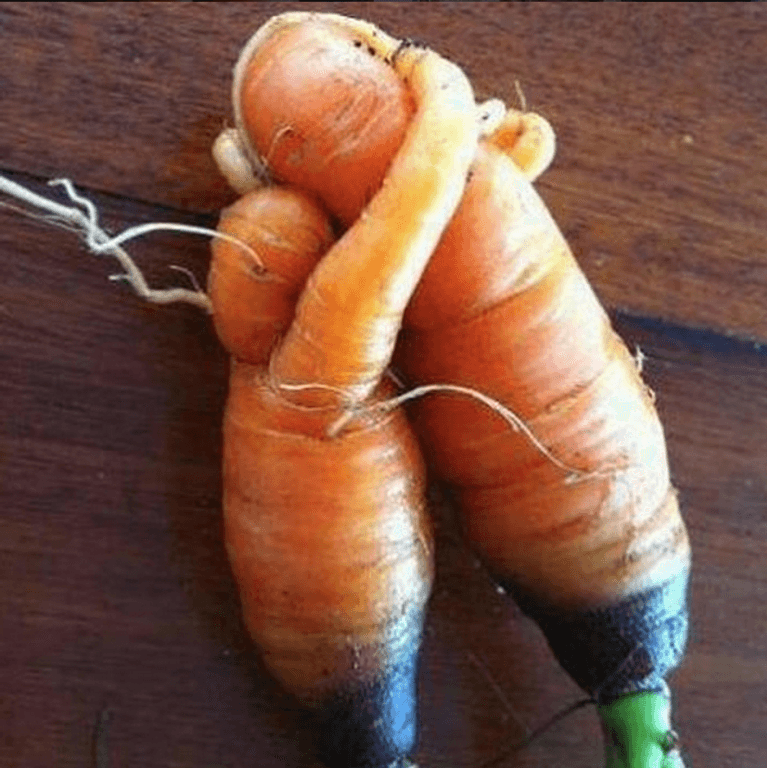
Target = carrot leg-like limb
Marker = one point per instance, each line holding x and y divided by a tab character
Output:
597	554
331	547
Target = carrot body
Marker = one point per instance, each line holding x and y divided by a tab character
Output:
328	538
326	530
586	532
331	548
525	327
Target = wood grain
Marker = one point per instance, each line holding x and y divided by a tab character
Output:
114	589
661	176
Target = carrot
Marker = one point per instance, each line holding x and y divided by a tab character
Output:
254	293
574	513
325	521
324	513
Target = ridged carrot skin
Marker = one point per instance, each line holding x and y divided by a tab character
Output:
331	547
524	327
581	523
587	536
327	535
325	525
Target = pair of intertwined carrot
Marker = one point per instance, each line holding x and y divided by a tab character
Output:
448	265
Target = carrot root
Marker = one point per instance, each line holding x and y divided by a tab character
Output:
84	220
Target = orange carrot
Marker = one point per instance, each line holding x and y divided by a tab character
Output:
325	525
254	293
575	513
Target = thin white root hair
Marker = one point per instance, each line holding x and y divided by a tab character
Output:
639	358
262	166
52	219
98	245
93	215
342	395
516	422
98	241
169	226
303	387
394	377
188	272
520	96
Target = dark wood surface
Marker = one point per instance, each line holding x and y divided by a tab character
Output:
115	594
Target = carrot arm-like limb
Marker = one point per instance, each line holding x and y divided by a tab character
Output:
356	297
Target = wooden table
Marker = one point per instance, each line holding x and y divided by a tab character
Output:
115	594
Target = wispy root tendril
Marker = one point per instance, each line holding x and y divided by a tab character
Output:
83	219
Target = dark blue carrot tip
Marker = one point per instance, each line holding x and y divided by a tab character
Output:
373	724
627	647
